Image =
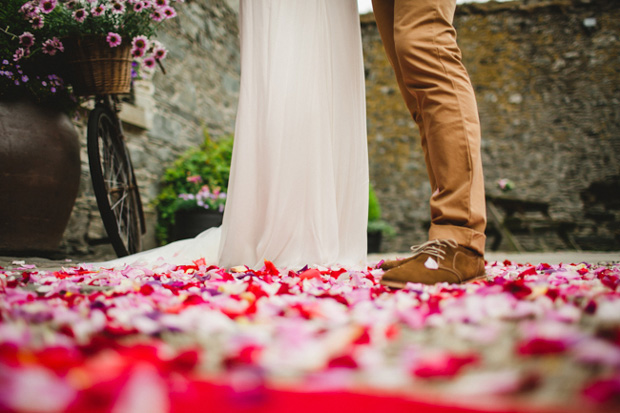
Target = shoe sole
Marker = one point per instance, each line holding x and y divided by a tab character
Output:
400	285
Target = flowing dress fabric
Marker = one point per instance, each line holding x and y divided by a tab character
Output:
298	191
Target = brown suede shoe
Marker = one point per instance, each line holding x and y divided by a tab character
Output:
388	265
436	261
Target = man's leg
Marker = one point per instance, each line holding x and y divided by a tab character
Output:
421	45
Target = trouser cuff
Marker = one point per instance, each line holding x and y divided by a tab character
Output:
466	237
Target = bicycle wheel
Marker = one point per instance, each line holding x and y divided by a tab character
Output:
114	183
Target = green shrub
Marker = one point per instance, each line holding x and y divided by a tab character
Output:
210	162
375	223
374	209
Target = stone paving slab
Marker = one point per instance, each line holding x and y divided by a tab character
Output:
557	257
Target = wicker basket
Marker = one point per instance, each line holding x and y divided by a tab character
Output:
95	68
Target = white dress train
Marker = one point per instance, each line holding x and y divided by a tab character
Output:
298	191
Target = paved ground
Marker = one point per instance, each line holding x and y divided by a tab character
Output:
566	257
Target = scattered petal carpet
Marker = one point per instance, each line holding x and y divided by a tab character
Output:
535	338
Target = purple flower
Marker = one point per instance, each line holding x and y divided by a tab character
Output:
25	78
113	39
47	6
80	14
26	39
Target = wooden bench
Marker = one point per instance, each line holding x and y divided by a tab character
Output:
508	216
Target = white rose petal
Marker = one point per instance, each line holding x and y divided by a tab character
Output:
431	264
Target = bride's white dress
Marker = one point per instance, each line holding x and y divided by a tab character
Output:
298	191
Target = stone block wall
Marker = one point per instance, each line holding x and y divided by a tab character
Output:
546	75
547	82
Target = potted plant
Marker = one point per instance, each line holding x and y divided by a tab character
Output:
39	147
192	196
195	212
88	42
377	227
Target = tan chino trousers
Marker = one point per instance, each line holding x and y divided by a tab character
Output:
420	43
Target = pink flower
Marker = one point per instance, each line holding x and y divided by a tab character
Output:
169	12
140	42
194	179
138	7
47	6
160	53
149	63
53	45
118	7
113	39
26	39
37	22
161	3
137	52
29	9
19	53
80	14
98	10
157	16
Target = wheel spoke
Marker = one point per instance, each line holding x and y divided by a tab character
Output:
117	188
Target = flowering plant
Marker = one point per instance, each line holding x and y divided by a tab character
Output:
505	184
194	178
207	198
32	36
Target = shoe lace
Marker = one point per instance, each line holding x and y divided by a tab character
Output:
434	248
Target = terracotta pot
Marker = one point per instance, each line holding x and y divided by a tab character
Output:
190	222
39	177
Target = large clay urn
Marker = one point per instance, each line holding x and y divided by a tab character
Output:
39	177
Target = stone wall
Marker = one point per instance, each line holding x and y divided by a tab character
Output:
547	81
198	91
546	77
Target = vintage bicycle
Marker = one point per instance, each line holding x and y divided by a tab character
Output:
98	70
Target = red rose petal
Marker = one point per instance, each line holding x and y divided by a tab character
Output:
540	346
